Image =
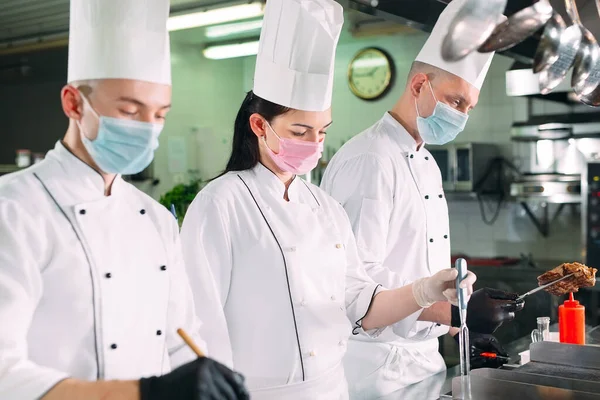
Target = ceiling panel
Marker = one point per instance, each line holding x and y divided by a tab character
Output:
191	3
30	19
26	18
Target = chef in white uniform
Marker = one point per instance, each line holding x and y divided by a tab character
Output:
391	189
279	251
92	282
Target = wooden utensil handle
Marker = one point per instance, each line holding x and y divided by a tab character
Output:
190	342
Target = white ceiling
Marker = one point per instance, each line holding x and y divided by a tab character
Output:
25	19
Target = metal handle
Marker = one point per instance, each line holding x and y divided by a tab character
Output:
537	289
571	7
461	266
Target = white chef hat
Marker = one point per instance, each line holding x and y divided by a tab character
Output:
473	68
294	65
119	39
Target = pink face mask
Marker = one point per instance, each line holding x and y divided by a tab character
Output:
295	156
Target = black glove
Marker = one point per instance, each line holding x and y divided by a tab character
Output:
481	344
201	379
488	309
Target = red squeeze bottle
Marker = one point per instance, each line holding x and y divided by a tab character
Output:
571	321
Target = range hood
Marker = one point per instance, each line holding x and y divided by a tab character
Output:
557	126
422	15
521	81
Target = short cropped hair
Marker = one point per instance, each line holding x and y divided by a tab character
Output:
432	72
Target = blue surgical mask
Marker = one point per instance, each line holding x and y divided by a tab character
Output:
443	125
122	146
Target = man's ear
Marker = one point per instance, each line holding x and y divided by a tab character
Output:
72	103
417	82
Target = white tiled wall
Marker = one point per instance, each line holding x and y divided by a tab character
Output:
513	233
206	97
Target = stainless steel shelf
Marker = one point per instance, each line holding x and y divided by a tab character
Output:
8	168
460	196
555	199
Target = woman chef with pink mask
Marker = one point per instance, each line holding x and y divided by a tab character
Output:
278	251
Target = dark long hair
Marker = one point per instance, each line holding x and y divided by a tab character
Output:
244	148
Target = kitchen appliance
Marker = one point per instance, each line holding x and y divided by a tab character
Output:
463	165
522	81
590	212
546	156
551	157
556	371
547	188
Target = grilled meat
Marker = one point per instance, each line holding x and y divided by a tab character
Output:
584	276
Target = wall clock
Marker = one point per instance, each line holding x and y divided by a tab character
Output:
371	73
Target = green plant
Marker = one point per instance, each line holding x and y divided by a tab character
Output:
181	196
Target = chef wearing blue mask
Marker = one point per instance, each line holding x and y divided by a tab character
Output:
92	282
391	188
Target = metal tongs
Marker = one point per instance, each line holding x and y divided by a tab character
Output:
463	343
537	289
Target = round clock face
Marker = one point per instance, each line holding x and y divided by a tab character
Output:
370	74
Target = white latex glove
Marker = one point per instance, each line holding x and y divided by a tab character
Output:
441	287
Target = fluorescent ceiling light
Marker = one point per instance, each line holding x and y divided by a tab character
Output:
369	63
215	16
232	29
220	52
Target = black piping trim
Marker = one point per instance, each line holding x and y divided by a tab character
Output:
358	324
62	142
287	278
98	375
313	195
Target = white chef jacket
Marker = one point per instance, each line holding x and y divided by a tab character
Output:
392	193
91	287
288	277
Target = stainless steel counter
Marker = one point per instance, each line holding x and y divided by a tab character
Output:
428	389
556	371
441	384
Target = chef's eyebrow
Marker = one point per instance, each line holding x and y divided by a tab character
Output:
312	127
458	97
139	103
